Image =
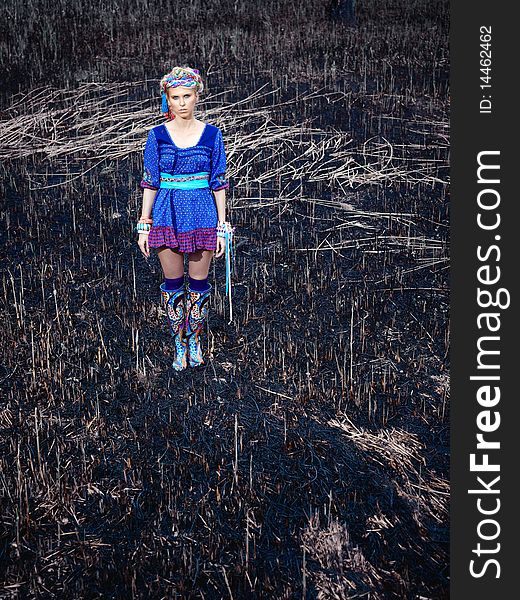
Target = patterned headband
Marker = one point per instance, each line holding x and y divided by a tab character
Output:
179	77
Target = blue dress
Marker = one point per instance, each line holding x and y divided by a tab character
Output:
184	218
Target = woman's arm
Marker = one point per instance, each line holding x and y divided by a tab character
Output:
148	200
218	181
220	199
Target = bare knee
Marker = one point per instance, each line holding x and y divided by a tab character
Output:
199	263
172	262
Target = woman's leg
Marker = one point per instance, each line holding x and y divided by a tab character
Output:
172	262
199	291
199	263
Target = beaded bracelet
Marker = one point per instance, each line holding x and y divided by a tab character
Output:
223	228
143	227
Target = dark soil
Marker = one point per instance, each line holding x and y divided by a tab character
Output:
309	457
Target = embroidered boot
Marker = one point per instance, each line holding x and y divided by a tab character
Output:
196	315
174	303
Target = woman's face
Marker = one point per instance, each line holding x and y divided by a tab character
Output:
181	101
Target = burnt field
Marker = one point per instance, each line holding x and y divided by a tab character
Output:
309	457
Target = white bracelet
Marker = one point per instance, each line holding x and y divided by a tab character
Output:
224	228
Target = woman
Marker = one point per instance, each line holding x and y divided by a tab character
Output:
184	183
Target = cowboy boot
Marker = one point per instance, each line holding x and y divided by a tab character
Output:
196	314
175	311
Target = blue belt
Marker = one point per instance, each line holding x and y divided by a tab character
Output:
185	181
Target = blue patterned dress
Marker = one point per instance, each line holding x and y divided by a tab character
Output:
184	218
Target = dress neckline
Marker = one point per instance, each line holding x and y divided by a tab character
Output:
185	147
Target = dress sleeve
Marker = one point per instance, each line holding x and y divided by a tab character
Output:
151	178
217	180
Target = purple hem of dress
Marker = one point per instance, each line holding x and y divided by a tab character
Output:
146	185
203	238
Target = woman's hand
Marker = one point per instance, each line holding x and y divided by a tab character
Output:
221	246
142	242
